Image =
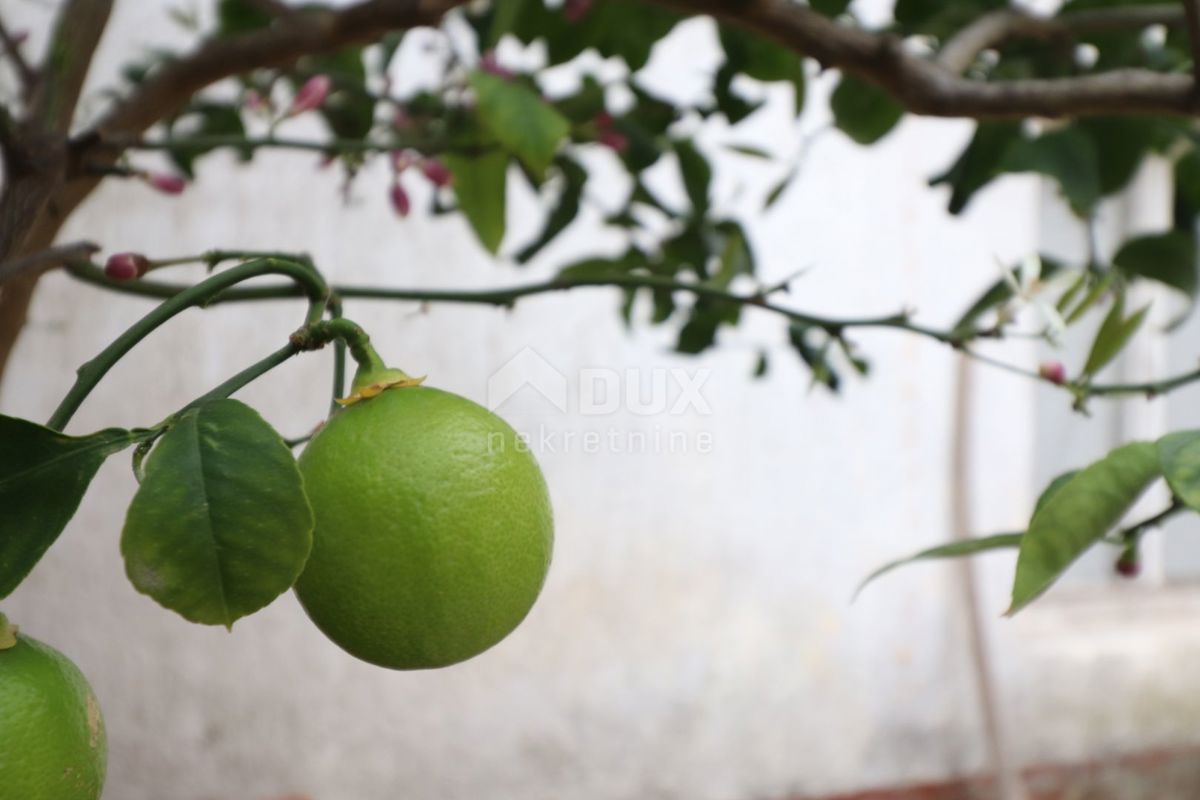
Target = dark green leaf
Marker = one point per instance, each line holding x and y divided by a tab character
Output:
762	365
480	184
1114	333
830	8
964	547
563	213
43	476
1078	515
979	163
207	119
815	357
696	173
520	119
863	111
1169	258
1068	156
1179	455
220	526
350	109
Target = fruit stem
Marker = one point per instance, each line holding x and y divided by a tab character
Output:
372	371
8	633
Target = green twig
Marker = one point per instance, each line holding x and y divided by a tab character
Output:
309	282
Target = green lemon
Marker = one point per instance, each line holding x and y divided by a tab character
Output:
52	744
433	529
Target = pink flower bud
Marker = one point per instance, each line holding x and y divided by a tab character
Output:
489	63
1053	371
1128	565
575	10
400	201
311	95
165	183
436	172
126	266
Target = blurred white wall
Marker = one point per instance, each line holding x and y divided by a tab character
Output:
696	638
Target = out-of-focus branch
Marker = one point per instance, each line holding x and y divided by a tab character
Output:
12	50
47	259
997	28
1192	10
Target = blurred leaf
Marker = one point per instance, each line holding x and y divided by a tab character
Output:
1068	156
586	104
1179	455
750	151
207	119
1053	487
43	476
863	111
519	119
1078	515
736	257
956	549
778	189
1121	143
1097	290
762	365
997	295
696	173
1114	333
830	8
979	163
1169	258
813	357
220	526
480	184
349	110
240	16
760	58
564	212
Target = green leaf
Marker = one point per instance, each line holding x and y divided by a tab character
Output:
520	119
220	526
979	163
563	213
963	547
830	8
1179	456
206	119
43	476
480	183
1114	333
1068	156
1169	258
996	295
1052	488
1078	515
349	112
696	173
863	111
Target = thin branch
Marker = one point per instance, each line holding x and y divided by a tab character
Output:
997	28
1192	10
13	49
48	259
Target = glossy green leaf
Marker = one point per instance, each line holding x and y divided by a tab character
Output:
1114	333
480	184
863	111
220	526
1179	455
519	119
1169	258
43	476
957	549
1078	515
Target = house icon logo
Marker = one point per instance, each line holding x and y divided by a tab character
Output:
527	368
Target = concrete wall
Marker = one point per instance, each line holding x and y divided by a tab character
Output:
695	639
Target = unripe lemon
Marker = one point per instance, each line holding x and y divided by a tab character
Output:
52	743
433	529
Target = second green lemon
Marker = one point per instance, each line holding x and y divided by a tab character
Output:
433	529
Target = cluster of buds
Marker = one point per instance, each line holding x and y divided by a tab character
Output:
608	135
434	171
